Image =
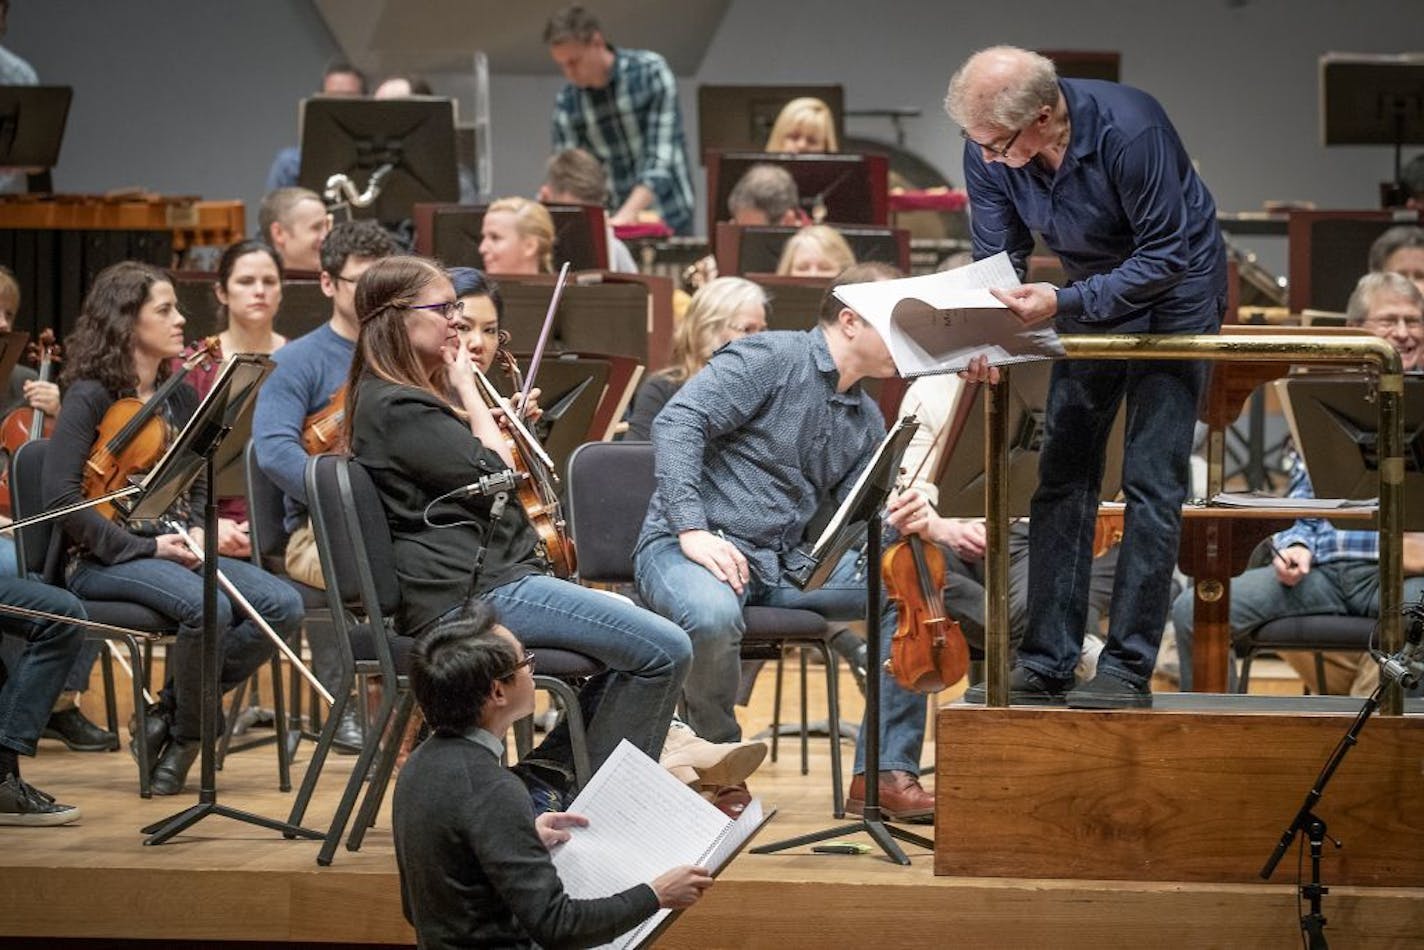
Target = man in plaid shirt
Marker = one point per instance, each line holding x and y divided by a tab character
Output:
1320	569
621	105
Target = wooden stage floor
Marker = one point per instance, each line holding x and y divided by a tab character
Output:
96	885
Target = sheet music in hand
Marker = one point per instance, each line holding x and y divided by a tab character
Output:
641	823
936	323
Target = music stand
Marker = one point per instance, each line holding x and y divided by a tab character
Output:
32	120
741	117
191	454
1334	421
580	235
1372	100
961	482
853	188
756	249
863	507
407	145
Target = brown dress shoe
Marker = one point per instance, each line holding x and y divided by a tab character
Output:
902	798
730	800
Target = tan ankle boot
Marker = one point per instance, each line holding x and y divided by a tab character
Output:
695	761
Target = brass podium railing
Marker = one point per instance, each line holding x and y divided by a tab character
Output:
1282	348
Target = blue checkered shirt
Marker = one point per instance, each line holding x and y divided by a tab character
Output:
634	126
1325	541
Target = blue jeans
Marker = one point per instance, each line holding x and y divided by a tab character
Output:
1083	400
77	680
711	613
647	659
35	680
1348	588
177	592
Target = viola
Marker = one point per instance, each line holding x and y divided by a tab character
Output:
133	436
538	493
928	652
25	423
325	429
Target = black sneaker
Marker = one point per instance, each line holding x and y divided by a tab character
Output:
1108	691
1026	688
74	730
157	721
24	805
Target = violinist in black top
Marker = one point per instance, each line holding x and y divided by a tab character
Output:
128	329
419	450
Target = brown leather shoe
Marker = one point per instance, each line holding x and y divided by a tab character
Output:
730	800
902	798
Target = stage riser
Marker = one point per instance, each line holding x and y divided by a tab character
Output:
1171	796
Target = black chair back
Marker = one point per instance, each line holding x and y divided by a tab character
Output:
32	543
609	487
266	511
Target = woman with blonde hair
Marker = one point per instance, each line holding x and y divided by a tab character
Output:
517	237
724	310
817	250
804	125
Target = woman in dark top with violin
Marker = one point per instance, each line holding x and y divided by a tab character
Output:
419	450
117	368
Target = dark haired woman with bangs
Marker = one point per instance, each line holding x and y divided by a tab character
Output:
129	330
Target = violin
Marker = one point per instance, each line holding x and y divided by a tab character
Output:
325	429
133	436
538	493
928	652
26	424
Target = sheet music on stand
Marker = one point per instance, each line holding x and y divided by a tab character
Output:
875	481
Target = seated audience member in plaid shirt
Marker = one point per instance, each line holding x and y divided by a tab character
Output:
1321	569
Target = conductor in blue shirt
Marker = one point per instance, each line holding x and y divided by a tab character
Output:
1098	170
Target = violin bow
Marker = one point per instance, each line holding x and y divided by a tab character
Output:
543	336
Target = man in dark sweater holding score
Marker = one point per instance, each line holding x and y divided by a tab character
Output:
474	861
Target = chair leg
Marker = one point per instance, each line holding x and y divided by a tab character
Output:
1243	684
145	755
385	765
833	713
239	696
1320	673
318	759
111	707
523	737
279	725
805	729
369	748
567	699
776	710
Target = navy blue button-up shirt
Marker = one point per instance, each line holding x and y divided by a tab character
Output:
1131	220
755	442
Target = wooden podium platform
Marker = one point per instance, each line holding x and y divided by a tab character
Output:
1196	793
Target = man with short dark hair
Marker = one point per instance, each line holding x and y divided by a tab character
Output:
774	426
575	176
294	222
340	79
621	105
474	861
766	195
310	371
1400	250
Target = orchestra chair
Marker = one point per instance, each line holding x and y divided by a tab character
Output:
267	533
358	562
33	552
609	486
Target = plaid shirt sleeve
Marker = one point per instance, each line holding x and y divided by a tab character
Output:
563	133
659	122
1324	541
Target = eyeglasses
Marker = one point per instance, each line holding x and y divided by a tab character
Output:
1389	323
527	661
447	310
993	149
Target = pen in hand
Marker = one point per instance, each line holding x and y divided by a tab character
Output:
1289	562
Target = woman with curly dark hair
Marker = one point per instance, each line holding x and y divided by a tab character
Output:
128	330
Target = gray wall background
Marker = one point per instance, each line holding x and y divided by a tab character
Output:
195	96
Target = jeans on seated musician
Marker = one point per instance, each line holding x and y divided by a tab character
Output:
773	426
452	545
1321	569
310	371
27	694
932	401
474	861
128	330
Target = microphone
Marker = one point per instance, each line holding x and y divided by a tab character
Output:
1407	666
491	484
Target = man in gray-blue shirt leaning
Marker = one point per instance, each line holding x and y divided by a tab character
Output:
775	425
1098	170
310	370
621	105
